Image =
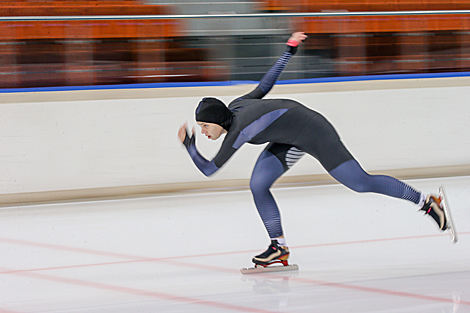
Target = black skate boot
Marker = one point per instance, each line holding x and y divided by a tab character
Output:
274	254
432	206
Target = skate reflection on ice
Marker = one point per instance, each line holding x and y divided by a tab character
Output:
275	285
456	299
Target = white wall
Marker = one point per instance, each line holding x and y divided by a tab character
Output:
68	140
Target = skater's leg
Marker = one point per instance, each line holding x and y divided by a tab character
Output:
340	163
274	161
351	174
268	168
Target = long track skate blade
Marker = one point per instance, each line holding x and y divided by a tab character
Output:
260	269
450	221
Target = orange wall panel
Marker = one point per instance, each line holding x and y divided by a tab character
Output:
88	29
397	23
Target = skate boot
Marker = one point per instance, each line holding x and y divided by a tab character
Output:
433	207
274	254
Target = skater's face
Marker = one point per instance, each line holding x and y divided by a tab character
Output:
211	130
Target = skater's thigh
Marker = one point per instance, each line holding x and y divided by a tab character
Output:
321	141
274	161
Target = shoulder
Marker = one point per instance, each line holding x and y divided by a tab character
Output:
238	104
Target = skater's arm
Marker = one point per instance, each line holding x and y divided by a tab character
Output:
189	141
270	78
205	166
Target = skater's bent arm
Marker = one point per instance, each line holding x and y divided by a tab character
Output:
205	166
270	78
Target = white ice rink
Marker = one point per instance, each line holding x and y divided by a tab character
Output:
182	253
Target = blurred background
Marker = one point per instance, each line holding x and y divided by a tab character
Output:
105	42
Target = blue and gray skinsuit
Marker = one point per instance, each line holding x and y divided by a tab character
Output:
291	129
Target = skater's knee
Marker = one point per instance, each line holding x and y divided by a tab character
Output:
359	187
259	185
351	175
359	184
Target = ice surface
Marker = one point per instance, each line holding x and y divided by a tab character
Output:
183	253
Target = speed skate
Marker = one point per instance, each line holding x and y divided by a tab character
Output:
450	221
277	266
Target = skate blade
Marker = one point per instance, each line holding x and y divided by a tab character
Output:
450	221
261	269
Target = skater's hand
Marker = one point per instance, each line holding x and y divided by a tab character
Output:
296	38
183	133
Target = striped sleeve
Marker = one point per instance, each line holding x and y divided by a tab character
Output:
270	78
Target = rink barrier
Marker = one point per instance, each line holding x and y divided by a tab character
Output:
18	191
125	192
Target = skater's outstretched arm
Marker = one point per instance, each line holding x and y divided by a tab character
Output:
270	78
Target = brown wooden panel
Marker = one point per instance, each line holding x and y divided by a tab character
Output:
60	9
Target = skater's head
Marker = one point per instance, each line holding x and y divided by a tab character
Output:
214	111
213	117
